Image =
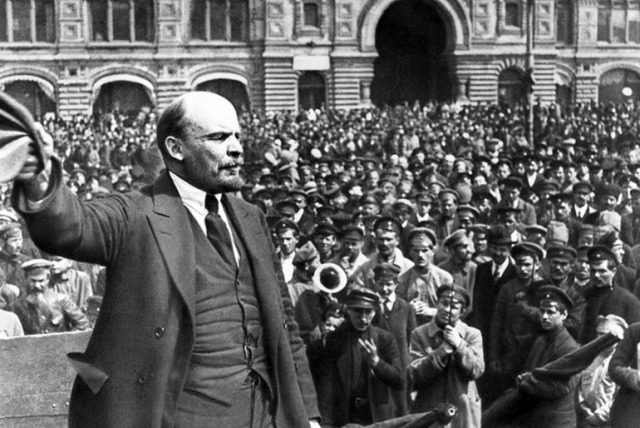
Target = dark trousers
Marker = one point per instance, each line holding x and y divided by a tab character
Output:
249	409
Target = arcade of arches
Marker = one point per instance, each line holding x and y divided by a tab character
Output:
411	40
122	96
31	95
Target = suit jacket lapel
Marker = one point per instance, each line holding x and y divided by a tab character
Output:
170	224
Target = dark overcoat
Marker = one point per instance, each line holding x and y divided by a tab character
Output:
135	364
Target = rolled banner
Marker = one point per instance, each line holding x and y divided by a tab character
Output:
18	137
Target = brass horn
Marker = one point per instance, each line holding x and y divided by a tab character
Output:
330	278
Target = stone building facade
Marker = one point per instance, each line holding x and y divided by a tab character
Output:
79	56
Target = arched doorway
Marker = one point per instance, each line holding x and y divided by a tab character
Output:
122	96
31	95
511	87
312	91
619	86
411	40
564	95
232	90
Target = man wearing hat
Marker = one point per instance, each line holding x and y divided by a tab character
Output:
447	358
459	263
596	389
397	317
532	176
602	296
419	284
445	221
508	217
582	200
515	320
479	234
359	366
310	302
424	202
325	238
42	309
553	403
351	242
512	188
562	213
561	260
607	198
11	256
387	232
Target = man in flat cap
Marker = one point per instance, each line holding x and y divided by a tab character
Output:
447	358
512	188
42	309
445	220
387	231
515	320
603	296
419	284
554	404
562	203
325	238
423	202
351	243
479	235
11	255
358	366
397	317
607	199
561	260
459	263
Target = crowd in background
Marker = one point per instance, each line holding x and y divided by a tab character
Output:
443	210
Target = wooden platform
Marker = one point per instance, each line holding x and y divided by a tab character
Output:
36	378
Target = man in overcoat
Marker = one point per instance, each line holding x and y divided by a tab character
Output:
196	326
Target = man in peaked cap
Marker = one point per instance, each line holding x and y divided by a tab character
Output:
361	366
630	223
552	343
325	238
397	317
42	309
607	198
458	349
602	296
459	263
561	261
11	255
511	192
287	237
562	203
423	202
387	232
352	241
419	284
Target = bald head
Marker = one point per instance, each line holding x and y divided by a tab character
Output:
199	138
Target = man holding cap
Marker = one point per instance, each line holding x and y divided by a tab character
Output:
602	296
42	309
419	284
554	400
447	357
359	366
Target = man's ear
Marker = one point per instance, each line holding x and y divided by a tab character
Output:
174	148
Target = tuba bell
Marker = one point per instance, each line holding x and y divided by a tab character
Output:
330	278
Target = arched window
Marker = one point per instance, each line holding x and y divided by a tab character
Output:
121	20
618	86
125	97
27	21
511	87
311	90
564	22
223	20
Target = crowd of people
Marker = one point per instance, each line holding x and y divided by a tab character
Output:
471	256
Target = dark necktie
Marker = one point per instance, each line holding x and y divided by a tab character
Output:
217	231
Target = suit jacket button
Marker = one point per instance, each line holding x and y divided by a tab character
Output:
159	332
141	379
